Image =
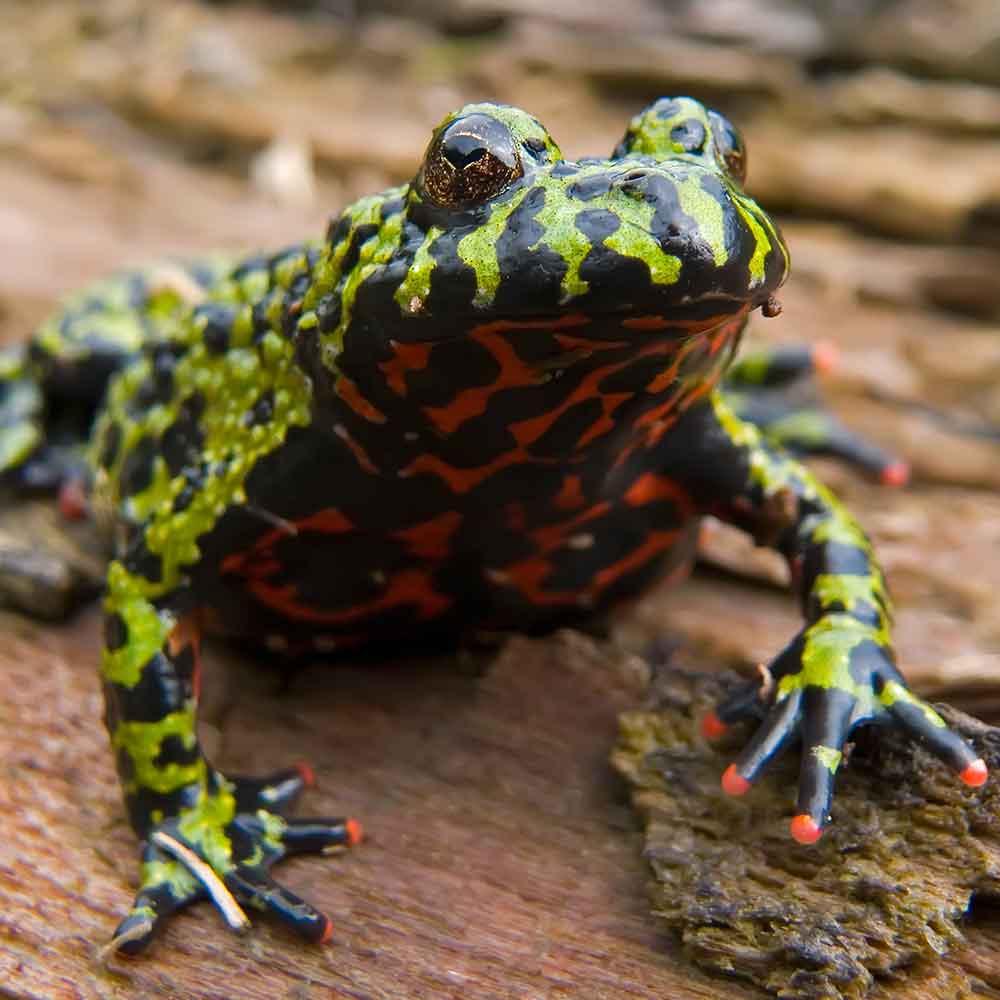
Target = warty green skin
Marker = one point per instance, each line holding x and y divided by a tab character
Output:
418	362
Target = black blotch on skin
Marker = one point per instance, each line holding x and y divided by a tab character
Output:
158	692
359	237
590	187
689	135
328	312
564	434
835	557
182	441
173	751
183	499
110	443
452	367
218	320
390	208
143	563
137	469
115	631
565	169
665	107
531	272
262	410
250	265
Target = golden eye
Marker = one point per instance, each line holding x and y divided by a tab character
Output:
469	161
730	145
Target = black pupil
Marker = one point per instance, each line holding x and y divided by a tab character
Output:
462	149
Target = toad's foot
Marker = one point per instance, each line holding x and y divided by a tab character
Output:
765	387
222	848
832	678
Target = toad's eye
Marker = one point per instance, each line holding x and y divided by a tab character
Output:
472	159
730	145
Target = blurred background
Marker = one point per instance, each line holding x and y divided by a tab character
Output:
134	129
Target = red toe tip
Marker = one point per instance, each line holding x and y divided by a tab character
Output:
307	773
734	783
72	500
825	356
354	832
712	727
976	773
327	934
805	829
895	474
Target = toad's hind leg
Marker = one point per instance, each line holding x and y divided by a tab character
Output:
51	388
765	388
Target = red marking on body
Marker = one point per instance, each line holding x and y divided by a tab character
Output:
570	343
355	833
506	325
526	432
650	487
429	539
551	536
407	587
645	323
570	495
349	392
405	358
527	576
306	773
327	935
360	455
328	521
976	773
73	500
712	727
514	372
805	829
463	480
734	783
472	402
895	474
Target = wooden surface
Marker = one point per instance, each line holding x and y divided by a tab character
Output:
501	858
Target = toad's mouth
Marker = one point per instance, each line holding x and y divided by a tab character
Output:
703	316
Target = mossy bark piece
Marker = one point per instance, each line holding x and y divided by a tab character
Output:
881	895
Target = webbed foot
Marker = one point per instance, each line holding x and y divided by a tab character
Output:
222	848
832	678
765	388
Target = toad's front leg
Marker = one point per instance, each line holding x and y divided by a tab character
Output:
204	835
839	671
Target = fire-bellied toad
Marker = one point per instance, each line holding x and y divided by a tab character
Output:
485	400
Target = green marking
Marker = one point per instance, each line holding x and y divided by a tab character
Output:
181	883
147	628
142	741
704	206
751	213
826	658
829	757
416	286
807	427
894	691
205	825
479	249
